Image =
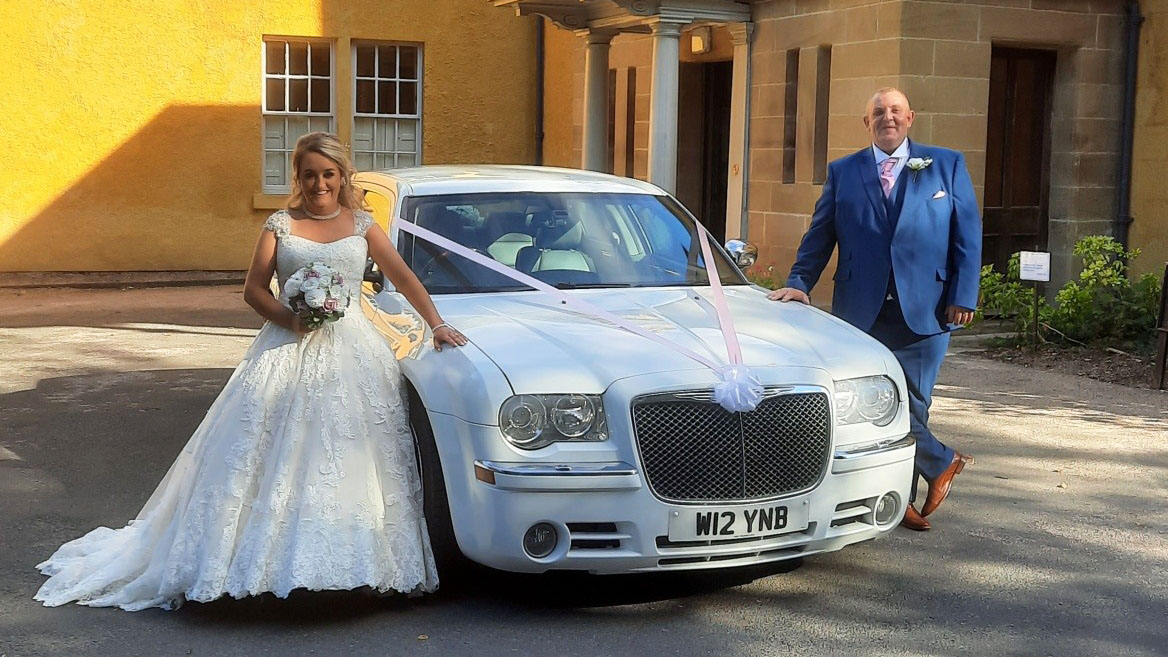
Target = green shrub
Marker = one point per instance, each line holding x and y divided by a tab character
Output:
1103	307
1005	296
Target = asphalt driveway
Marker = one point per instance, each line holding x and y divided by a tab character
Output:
1055	543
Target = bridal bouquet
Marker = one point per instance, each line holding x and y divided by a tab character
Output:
317	293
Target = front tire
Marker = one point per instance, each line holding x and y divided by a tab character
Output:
435	505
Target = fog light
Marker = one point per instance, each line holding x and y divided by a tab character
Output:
886	508
540	540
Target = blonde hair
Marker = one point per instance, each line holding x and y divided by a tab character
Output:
329	146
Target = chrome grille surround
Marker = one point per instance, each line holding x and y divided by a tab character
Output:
694	451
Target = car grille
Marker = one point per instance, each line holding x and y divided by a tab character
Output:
693	450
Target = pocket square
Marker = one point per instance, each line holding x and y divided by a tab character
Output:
940	194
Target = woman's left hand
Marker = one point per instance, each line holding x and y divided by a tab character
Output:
448	335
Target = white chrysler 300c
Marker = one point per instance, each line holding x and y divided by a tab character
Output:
557	440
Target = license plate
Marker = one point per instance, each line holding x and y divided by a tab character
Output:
722	523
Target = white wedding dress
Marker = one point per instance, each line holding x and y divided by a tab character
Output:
302	474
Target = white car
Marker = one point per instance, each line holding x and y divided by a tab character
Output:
555	440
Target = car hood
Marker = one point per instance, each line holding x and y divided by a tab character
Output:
542	346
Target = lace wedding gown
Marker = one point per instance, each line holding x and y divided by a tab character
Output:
302	474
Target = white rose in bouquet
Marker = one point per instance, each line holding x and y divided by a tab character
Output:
292	287
315	297
317	294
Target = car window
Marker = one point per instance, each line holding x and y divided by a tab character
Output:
626	235
570	240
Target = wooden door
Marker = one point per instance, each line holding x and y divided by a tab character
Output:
716	156
1017	174
703	141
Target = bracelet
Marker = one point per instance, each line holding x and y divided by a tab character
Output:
442	325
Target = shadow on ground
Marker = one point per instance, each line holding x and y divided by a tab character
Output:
1013	566
547	593
182	308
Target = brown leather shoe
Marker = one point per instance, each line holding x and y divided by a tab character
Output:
939	487
914	521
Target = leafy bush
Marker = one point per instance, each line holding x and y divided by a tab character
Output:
1005	296
1102	307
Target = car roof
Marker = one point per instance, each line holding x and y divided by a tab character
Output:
465	179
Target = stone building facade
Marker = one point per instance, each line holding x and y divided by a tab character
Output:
1030	90
1149	196
944	55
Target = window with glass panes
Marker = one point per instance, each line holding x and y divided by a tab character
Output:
298	99
387	107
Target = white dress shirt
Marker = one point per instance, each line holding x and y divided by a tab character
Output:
900	152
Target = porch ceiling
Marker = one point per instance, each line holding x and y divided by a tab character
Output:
630	15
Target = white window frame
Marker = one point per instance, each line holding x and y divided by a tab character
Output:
419	80
286	113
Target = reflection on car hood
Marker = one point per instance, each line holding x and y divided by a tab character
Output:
542	346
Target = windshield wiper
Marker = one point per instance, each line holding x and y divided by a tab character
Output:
585	286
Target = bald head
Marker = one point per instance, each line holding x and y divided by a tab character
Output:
888	117
885	96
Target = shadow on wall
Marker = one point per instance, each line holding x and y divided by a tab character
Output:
177	195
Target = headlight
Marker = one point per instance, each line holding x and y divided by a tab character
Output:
867	399
534	421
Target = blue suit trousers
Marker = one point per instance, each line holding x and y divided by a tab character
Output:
920	357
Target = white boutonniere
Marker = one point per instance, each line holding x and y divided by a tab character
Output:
918	164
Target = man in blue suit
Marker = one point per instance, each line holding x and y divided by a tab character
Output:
907	224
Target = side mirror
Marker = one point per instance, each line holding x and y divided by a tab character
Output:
373	275
743	253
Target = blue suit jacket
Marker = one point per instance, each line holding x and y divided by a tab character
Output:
935	250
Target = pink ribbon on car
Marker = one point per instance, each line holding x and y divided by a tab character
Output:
737	389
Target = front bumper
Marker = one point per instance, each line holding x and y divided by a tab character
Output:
608	521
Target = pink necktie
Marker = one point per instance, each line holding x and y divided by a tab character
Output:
887	180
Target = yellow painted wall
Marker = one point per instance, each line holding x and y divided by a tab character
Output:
1149	197
563	73
133	128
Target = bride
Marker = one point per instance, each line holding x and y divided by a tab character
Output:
302	474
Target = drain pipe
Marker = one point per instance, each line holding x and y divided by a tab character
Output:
539	90
1123	218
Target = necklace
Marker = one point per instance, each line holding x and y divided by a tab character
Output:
321	217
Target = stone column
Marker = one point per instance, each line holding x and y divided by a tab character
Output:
663	105
596	100
739	122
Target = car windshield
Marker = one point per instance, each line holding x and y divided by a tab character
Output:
569	240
